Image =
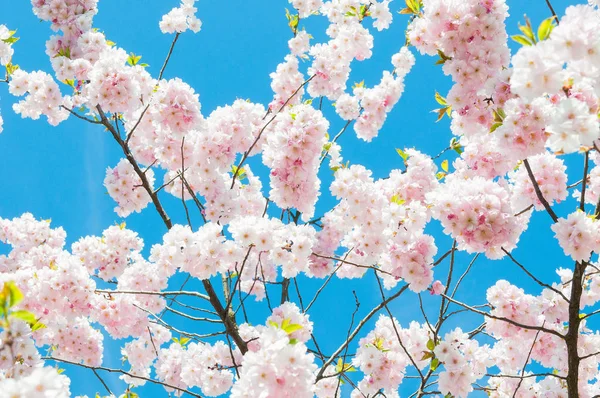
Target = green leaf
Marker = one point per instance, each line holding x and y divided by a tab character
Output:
291	328
499	115
495	126
359	85
133	59
37	326
443	58
527	32
545	28
431	344
521	40
274	324
11	40
434	364
413	5
343	367
445	168
308	101
455	144
64	52
293	341
402	154
11	293
241	174
441	112
440	100
427	355
11	68
440	175
397	199
24	315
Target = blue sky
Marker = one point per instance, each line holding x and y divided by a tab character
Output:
57	172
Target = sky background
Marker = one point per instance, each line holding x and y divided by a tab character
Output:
57	172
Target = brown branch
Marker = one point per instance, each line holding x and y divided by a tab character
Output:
538	192
357	329
507	320
110	370
539	282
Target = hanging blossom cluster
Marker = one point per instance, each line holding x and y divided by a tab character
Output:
562	72
125	187
464	360
292	152
478	214
471	36
578	235
198	365
378	101
550	175
110	254
382	359
277	363
42	96
181	18
382	222
349	40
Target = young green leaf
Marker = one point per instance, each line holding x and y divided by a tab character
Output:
291	328
25	316
523	40
445	165
440	100
402	154
12	294
545	28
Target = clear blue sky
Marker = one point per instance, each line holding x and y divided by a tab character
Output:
57	172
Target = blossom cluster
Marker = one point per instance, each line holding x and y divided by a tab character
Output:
390	228
578	235
379	100
550	176
292	151
465	361
109	254
478	214
125	187
181	18
277	364
382	358
42	96
43	382
6	50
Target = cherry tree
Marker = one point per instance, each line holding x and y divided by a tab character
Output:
249	238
